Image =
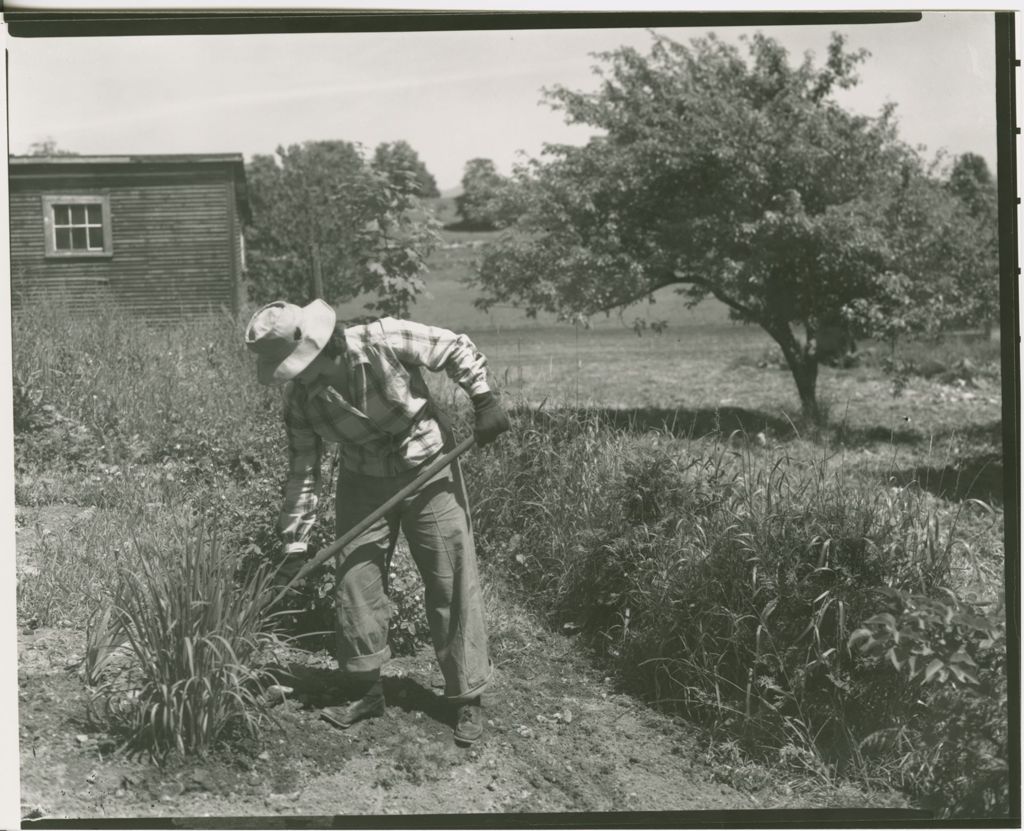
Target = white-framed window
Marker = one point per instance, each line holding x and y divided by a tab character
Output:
77	226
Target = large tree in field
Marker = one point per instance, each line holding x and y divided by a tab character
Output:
405	169
325	223
738	178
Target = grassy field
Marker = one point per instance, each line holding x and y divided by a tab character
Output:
658	495
449	300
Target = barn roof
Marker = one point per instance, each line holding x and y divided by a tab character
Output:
122	163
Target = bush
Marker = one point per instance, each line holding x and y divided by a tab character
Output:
956	736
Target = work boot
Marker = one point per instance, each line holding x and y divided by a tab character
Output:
367	703
469	722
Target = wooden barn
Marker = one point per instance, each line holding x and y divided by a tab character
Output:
159	235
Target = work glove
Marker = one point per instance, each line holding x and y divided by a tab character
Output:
491	420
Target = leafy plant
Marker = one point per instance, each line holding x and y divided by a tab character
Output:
955	744
409	628
928	637
193	636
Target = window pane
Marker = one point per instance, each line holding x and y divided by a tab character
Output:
60	214
96	237
78	238
95	214
63	239
78	214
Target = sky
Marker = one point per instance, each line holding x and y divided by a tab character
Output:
453	95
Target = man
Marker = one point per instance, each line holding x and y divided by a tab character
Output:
362	387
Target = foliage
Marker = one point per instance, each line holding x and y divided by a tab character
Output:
945	272
479	204
956	744
48	147
744	180
931	638
193	635
978	289
404	169
115	391
327	224
725	583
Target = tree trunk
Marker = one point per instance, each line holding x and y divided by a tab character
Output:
805	373
804	366
317	286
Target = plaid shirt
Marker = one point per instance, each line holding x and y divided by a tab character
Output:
382	423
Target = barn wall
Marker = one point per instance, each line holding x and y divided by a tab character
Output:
173	248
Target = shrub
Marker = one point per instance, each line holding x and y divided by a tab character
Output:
956	736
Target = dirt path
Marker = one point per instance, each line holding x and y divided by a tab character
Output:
559	738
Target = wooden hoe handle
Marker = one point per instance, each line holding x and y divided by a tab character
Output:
339	544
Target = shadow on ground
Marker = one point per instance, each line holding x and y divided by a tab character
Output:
679	422
978	477
323	686
988	434
683	422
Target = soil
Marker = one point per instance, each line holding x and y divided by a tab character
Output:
559	737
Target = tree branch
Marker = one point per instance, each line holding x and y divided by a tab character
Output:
721	296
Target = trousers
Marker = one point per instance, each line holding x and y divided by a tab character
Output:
436	525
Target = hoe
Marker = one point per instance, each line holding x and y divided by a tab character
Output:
339	544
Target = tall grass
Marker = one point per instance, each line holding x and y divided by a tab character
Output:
725	582
125	390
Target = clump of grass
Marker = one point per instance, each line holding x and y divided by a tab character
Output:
191	637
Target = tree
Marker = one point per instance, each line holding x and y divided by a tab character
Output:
480	204
971	181
973	185
404	169
943	232
744	180
48	147
327	224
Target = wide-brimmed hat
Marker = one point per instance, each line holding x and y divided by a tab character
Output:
286	338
